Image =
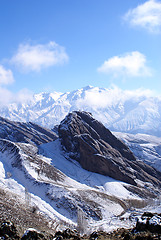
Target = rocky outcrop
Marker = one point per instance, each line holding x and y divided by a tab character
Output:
25	132
149	222
145	231
8	231
98	150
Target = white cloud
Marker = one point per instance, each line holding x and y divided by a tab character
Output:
97	98
6	76
5	96
36	57
130	64
23	96
147	15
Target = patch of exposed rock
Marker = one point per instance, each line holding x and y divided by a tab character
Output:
147	229
97	150
8	231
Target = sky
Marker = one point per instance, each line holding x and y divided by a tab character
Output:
63	45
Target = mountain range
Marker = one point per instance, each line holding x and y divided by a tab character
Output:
88	159
120	111
81	177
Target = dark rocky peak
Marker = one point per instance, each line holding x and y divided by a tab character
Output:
97	150
83	124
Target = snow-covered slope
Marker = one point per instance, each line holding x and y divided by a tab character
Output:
59	188
122	111
54	193
145	147
44	183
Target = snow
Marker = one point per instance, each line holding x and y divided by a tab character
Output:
19	183
75	183
2	171
155	220
58	198
74	171
145	147
29	230
117	189
124	111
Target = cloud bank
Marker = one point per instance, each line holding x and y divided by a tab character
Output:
130	64
36	57
6	76
147	15
6	96
106	98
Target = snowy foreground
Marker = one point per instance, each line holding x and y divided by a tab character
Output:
63	192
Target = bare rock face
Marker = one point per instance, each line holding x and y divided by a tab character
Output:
98	150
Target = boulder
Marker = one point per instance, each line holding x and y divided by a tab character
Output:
149	222
67	234
8	231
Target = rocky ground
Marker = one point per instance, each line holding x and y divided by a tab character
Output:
147	227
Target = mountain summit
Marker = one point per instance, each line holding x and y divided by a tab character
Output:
97	150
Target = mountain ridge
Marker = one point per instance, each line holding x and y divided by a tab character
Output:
25	132
121	111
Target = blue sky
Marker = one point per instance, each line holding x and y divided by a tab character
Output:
63	45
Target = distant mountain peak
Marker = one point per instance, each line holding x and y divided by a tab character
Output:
122	111
88	87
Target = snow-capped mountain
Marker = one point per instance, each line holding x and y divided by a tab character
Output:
52	190
121	111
